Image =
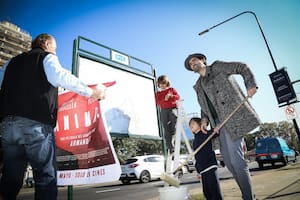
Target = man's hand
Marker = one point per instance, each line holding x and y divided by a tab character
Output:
99	92
251	92
203	126
168	96
217	129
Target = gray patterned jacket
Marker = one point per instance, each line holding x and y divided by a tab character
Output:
225	94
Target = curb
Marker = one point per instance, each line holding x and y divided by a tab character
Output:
282	183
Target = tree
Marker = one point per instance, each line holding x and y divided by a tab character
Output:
250	141
124	147
130	147
147	146
283	129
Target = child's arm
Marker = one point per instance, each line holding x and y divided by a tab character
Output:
159	98
175	95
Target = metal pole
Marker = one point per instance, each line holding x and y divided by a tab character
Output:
264	37
297	129
260	28
294	120
295	81
70	192
75	72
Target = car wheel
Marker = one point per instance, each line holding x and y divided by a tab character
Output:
222	163
145	177
285	161
260	165
180	173
125	181
189	170
295	159
29	182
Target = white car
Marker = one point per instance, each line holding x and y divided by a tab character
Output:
190	164
144	168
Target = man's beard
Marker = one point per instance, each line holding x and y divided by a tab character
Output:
199	68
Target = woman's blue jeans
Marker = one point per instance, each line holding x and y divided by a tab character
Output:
28	141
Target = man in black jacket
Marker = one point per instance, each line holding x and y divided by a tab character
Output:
28	111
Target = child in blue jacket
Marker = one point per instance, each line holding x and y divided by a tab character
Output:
206	162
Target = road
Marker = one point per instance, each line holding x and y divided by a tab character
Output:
134	191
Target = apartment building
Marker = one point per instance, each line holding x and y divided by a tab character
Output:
13	41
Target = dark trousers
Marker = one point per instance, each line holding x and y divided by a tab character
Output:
211	185
169	119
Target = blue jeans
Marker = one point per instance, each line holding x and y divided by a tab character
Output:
28	141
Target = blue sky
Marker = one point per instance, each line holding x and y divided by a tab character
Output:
163	33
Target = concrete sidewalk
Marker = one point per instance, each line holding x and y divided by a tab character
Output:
275	184
283	183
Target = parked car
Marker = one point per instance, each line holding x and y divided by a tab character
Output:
190	163
219	157
144	168
296	151
272	150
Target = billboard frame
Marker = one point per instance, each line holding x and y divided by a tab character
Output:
131	65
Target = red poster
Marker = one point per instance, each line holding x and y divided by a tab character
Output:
81	137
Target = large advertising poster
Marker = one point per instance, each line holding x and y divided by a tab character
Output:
85	153
129	107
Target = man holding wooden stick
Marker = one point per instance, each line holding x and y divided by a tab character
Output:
218	94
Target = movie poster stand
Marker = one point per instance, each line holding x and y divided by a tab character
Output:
123	113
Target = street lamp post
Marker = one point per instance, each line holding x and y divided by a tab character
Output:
245	12
281	73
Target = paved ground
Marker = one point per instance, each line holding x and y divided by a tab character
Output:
275	184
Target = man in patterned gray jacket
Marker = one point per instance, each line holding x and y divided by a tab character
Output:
218	95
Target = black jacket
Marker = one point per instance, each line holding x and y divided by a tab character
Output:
25	90
206	156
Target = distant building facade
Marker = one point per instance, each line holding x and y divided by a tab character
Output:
13	41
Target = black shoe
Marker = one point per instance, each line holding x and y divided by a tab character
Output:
172	153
